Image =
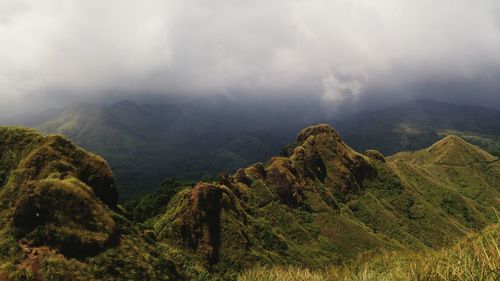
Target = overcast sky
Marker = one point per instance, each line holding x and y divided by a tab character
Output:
53	52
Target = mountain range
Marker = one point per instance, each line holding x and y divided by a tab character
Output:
320	203
146	143
186	141
419	124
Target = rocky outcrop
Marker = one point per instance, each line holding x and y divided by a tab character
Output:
198	223
58	157
320	164
322	199
58	194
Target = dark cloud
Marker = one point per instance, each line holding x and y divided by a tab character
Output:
337	51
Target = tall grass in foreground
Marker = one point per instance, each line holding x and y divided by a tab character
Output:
476	258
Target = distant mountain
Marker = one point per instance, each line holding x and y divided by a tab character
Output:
147	143
204	137
418	124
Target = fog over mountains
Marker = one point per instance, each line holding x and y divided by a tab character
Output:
232	140
342	54
204	137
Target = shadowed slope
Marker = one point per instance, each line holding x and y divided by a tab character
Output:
183	141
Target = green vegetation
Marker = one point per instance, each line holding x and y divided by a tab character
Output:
146	144
489	142
155	204
321	210
476	258
323	203
59	219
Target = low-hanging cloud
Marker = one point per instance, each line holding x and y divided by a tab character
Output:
335	50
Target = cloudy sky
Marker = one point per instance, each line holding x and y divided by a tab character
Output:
338	51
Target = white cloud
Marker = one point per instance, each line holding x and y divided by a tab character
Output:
332	49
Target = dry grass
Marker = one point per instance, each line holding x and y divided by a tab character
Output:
476	258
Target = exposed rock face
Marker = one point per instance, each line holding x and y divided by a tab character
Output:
199	222
321	155
319	130
282	175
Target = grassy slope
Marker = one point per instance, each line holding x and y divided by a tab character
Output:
475	258
458	177
322	204
326	204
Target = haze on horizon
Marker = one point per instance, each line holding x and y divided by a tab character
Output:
337	52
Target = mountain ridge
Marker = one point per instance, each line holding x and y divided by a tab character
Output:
322	191
320	203
223	135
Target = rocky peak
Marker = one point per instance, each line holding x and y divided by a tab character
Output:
319	129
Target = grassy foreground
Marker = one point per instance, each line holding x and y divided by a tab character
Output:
476	258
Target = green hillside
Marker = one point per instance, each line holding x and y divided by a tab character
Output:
474	258
59	219
320	204
205	137
326	204
453	174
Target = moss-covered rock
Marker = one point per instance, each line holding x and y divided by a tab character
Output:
63	215
59	218
58	194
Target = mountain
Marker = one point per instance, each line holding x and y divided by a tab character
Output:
325	204
453	174
416	125
59	217
147	143
319	204
203	137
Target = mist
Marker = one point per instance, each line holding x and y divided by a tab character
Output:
344	55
